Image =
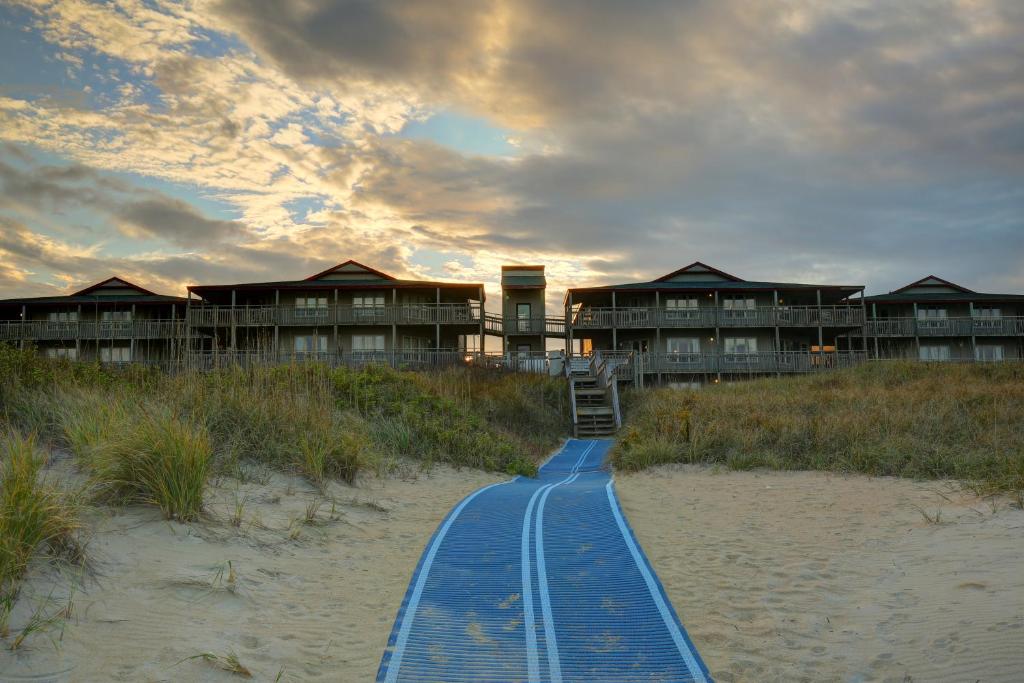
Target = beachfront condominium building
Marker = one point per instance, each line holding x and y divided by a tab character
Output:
114	321
700	322
347	312
936	320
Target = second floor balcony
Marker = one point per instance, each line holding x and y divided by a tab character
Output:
712	316
316	316
978	326
69	330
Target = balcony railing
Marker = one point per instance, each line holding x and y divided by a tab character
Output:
551	327
33	330
765	361
534	362
399	314
1005	326
711	316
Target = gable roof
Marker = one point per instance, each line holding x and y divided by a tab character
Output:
114	282
698	267
933	280
351	266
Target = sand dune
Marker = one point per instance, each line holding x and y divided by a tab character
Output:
809	577
314	600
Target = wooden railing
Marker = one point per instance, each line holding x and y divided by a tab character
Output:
711	316
640	363
1005	326
400	314
32	330
550	327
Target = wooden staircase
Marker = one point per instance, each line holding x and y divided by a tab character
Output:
594	397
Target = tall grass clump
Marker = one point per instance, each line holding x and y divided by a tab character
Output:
136	454
33	516
901	419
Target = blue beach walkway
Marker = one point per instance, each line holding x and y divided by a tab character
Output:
539	580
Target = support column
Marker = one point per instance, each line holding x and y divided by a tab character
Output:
778	334
24	327
394	320
78	335
568	326
131	338
483	332
437	324
874	319
717	344
615	325
233	327
821	339
974	338
864	327
277	325
334	326
658	348
917	337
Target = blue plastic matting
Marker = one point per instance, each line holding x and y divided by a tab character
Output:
539	580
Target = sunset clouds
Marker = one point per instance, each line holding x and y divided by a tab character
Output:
240	139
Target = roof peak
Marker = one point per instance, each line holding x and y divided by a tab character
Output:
698	267
112	280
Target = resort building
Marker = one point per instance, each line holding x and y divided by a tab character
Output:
114	321
347	313
698	322
936	320
694	325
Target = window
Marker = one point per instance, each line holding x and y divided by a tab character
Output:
311	343
932	317
115	354
988	352
988	318
362	343
311	307
740	345
415	343
681	309
120	316
63	316
988	312
368	300
934	352
523	311
70	353
739	306
683	345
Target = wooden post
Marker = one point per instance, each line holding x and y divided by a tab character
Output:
864	327
337	349
394	319
778	334
615	325
874	319
437	324
568	326
233	331
277	325
131	338
917	338
718	346
78	335
974	339
24	327
821	339
483	332
658	350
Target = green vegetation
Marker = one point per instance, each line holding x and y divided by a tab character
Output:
33	516
902	419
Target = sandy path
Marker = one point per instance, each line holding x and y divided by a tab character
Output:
809	577
316	600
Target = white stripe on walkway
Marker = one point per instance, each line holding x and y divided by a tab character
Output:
652	586
395	663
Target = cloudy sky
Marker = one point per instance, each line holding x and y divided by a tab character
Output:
214	141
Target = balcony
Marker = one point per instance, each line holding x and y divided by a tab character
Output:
710	316
400	314
1008	326
550	327
726	363
45	330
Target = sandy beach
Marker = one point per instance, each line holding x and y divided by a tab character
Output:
314	600
805	576
776	575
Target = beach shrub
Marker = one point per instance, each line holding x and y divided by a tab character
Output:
962	421
33	515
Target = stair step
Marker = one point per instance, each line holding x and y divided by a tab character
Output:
589	411
593	391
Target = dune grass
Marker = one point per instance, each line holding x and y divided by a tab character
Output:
903	419
33	516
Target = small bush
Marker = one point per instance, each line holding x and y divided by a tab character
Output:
33	515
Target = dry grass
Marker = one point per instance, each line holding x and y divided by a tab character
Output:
903	419
34	516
